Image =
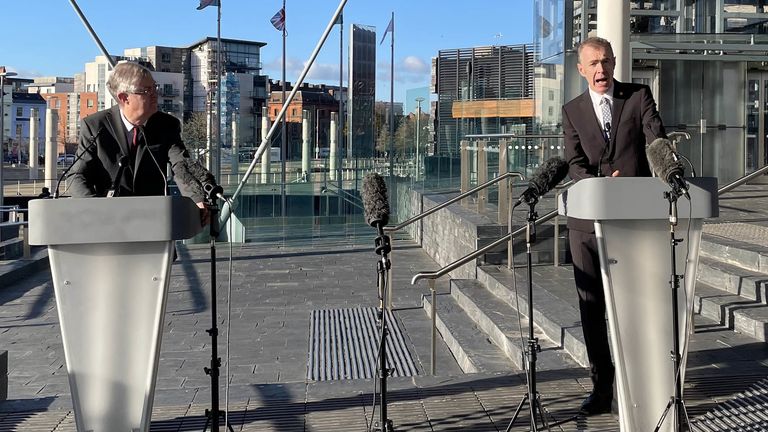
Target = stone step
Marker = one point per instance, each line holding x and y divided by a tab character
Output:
505	327
555	303
749	284
749	317
470	346
731	251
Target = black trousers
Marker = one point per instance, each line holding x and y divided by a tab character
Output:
589	284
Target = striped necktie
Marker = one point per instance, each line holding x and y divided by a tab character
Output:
605	105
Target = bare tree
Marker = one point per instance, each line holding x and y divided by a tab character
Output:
195	133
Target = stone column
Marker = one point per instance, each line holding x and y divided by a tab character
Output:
306	149
33	140
334	152
51	148
613	25
266	157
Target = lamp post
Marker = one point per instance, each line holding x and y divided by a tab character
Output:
3	74
419	100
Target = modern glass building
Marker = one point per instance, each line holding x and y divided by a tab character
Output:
706	62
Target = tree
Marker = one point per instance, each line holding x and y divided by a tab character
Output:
195	132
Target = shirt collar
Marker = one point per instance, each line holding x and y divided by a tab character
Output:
596	97
128	125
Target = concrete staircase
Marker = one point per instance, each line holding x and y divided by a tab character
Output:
478	318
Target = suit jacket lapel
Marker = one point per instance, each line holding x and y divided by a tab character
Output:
585	106
118	129
619	97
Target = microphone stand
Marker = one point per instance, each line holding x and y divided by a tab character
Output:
212	416
532	397
681	412
383	248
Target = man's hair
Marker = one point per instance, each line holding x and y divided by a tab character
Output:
125	77
596	42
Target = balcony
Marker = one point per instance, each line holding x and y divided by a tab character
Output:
168	92
169	107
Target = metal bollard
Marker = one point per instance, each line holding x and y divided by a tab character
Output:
434	326
24	237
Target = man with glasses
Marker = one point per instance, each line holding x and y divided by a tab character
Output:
124	150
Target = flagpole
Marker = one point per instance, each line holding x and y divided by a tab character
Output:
217	154
283	138
392	102
340	124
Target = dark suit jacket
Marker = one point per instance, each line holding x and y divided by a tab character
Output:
103	143
635	124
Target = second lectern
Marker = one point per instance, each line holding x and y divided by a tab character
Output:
110	263
632	225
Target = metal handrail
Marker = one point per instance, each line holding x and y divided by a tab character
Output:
467	258
738	182
513	135
459	197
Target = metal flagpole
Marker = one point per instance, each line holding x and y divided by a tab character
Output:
392	102
284	138
340	123
217	153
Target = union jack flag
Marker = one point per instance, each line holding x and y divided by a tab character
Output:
205	3
279	20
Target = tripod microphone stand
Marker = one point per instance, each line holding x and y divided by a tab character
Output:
213	415
383	248
676	401
532	397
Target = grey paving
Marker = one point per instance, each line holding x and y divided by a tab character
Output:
275	287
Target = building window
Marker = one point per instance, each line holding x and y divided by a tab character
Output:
551	95
89	103
276	112
551	111
165	57
19	111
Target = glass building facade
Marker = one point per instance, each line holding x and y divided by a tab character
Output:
704	60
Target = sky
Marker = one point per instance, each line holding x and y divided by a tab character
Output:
47	38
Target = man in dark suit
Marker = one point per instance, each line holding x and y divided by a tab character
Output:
124	150
606	130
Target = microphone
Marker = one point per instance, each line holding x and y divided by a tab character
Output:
115	191
213	191
549	174
607	136
375	202
661	157
78	156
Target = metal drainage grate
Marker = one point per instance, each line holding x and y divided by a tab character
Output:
746	412
344	345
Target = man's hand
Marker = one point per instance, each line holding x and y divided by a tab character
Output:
615	173
205	215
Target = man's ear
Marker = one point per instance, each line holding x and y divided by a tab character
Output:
122	97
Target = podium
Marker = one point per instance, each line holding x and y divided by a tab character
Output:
110	263
632	228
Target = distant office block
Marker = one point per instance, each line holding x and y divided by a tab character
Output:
362	90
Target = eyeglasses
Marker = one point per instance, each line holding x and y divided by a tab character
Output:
146	91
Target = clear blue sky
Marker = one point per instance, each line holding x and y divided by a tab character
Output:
46	37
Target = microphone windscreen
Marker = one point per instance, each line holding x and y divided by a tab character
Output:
375	202
661	159
549	174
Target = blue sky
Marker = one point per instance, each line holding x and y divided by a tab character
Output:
46	37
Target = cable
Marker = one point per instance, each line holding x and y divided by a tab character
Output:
517	307
229	322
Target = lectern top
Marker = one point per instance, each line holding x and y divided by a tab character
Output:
112	220
610	198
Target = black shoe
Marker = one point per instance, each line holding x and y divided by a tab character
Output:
596	403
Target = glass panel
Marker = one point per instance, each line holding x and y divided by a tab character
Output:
663	5
744	6
752	127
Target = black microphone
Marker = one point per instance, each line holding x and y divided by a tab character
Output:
661	157
607	136
375	202
213	191
549	174
115	190
77	158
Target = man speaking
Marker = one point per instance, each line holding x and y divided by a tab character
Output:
606	130
124	150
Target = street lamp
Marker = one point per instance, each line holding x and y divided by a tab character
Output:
3	74
419	100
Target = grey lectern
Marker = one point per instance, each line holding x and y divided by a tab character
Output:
632	225
110	262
